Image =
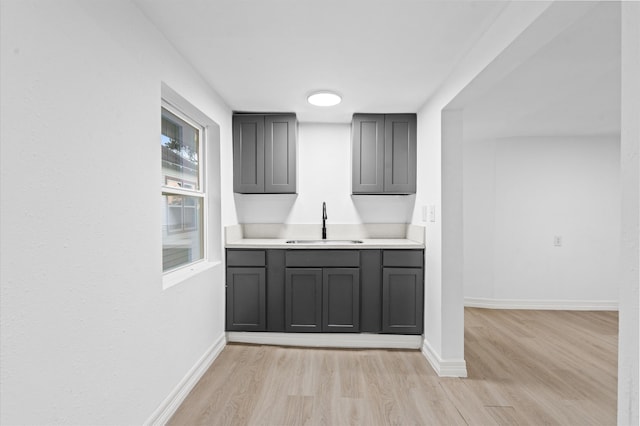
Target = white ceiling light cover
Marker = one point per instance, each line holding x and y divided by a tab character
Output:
324	98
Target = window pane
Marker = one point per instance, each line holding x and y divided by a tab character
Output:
180	156
182	231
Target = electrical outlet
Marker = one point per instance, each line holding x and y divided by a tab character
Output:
432	213
557	240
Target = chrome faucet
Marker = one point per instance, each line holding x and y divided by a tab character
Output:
324	220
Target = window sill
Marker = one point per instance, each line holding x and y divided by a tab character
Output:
183	274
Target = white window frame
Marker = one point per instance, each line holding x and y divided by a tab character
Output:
210	182
201	193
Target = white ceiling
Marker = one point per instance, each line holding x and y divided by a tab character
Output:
570	86
380	55
391	56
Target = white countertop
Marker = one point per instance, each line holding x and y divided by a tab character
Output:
373	236
281	243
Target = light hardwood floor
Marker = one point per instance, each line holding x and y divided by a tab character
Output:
524	367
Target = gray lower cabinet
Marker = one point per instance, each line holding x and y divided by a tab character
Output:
246	286
402	291
322	300
341	300
246	299
384	157
368	291
264	153
303	299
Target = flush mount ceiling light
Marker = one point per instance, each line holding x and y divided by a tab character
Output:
324	98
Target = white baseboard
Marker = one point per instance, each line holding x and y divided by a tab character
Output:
327	340
561	305
168	407
444	368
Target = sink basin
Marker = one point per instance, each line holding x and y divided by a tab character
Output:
328	242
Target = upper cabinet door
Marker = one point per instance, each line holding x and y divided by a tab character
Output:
280	154
248	153
400	153
367	153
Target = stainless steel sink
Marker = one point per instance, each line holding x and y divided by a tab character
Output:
327	242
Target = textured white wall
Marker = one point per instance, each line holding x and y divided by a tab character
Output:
88	336
519	194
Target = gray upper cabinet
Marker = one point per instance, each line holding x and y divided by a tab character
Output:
264	154
384	154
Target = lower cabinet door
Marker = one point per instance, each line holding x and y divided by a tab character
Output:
341	300
246	299
303	300
402	300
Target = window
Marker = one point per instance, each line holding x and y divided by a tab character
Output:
183	192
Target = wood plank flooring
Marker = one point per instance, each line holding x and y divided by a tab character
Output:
524	368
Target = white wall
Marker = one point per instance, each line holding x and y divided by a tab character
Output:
444	340
324	174
519	194
88	335
628	394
